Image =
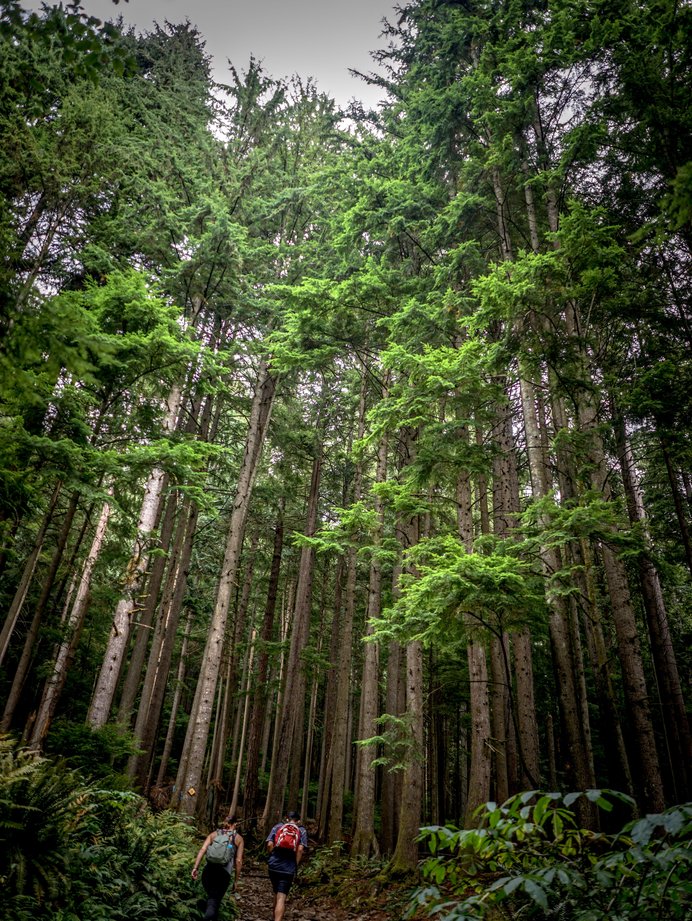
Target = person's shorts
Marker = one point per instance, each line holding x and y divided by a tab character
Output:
281	882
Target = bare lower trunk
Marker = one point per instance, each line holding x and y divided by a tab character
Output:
56	681
340	738
329	699
175	703
527	724
364	842
197	734
20	594
478	779
29	649
479	705
676	724
634	682
312	714
580	767
241	629
292	700
241	746
391	780
629	650
405	857
146	616
163	642
678	503
499	721
116	648
259	705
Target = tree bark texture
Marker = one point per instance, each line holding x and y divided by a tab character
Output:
198	728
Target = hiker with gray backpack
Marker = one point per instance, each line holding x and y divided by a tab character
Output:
223	850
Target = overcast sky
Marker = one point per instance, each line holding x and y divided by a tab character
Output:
313	38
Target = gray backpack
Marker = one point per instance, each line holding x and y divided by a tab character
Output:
222	848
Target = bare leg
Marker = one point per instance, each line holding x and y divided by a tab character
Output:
279	905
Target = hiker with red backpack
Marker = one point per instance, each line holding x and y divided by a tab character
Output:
223	849
287	842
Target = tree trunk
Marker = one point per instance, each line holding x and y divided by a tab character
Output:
329	704
20	594
292	700
676	725
245	709
222	730
680	510
259	703
163	642
146	618
479	706
198	728
629	651
479	772
581	765
499	712
28	650
107	681
405	857
175	703
364	843
340	739
65	651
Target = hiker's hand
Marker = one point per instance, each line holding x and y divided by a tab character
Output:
194	873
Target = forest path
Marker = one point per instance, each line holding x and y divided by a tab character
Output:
254	899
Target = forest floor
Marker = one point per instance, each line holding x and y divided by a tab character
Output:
312	902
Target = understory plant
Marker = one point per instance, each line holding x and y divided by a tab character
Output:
70	850
530	858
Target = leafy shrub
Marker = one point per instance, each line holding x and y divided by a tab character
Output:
96	753
70	851
529	858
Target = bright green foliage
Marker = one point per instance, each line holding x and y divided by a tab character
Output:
83	379
69	850
449	588
528	858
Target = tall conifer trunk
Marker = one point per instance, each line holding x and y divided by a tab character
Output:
259	703
107	681
63	657
28	649
405	857
194	748
364	843
20	594
292	699
676	724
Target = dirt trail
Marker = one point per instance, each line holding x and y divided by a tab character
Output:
254	899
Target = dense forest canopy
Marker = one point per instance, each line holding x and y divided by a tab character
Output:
345	457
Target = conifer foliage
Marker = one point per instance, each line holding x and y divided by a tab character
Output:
345	461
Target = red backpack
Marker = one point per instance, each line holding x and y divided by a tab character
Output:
288	837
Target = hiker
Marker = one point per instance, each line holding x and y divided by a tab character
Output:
224	852
287	842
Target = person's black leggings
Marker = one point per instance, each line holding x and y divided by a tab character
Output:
215	880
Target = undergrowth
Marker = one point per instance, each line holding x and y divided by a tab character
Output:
70	850
357	885
530	858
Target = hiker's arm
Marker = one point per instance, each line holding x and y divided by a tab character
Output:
239	851
201	852
299	853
